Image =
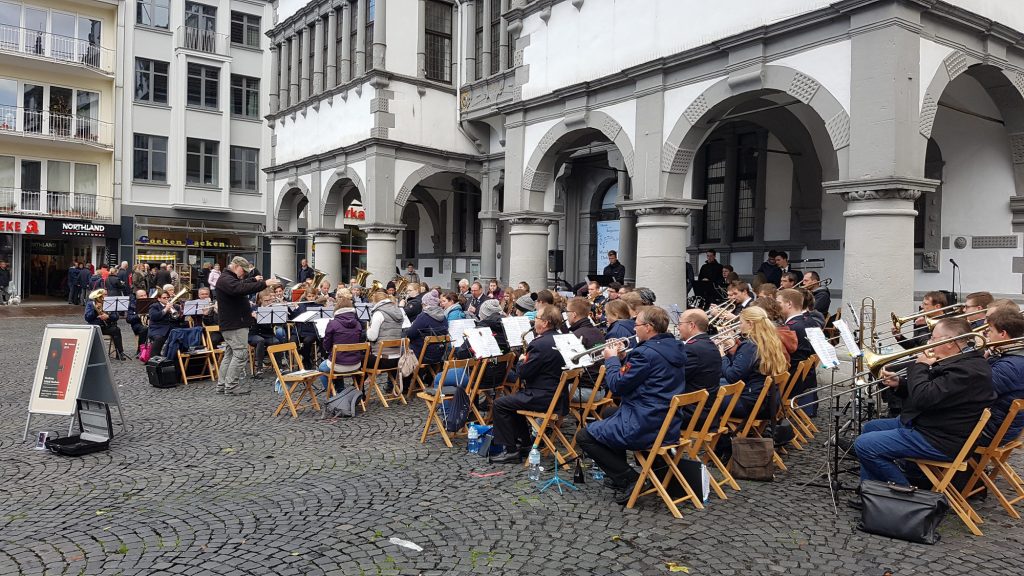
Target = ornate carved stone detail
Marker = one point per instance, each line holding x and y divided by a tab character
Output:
930	261
627	160
547	141
838	128
536	181
803	87
667	210
892	194
381	229
676	160
530	221
416	177
928	110
1017	78
1017	147
610	128
696	109
955	63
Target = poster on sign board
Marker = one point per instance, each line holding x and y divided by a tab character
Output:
60	369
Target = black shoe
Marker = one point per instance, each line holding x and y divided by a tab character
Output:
507	457
121	356
855	502
622	497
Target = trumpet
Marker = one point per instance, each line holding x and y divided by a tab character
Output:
722	313
727	332
596	353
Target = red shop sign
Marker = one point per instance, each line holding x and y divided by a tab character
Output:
22	226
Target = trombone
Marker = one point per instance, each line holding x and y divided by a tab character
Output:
899	321
821	283
874	363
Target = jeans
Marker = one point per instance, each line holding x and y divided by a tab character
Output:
884	441
236	355
339	382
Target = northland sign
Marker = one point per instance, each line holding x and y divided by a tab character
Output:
83	229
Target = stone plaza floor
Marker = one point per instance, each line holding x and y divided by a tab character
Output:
207	484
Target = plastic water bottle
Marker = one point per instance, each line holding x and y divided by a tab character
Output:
474	439
596	473
534	464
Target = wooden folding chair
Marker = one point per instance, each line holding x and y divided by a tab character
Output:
582	409
670	451
754	426
797	414
438	394
291	381
217	353
941	476
997	455
474	390
206	356
549	423
358	376
391	373
715	426
417	384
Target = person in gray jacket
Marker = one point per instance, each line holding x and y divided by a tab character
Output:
385	324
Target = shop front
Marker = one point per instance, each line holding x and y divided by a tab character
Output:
191	244
42	250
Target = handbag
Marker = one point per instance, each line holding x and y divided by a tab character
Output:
901	512
782	432
752	459
145	351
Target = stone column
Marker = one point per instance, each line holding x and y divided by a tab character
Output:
488	245
293	80
360	37
327	251
275	78
662	230
503	39
380	33
627	232
381	249
485	49
318	58
470	40
282	256
332	50
304	40
346	47
528	248
421	40
878	253
283	80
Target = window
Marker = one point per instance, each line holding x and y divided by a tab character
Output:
150	162
495	38
478	44
245	29
155	13
150	81
200	27
245	96
746	186
85	179
201	161
714	186
8	104
368	44
245	167
439	41
338	50
354	27
202	86
311	60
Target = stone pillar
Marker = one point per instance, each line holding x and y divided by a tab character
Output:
327	254
346	43
332	50
275	78
421	40
318	58
304	40
360	37
293	79
381	249
283	80
878	254
528	249
282	256
627	232
470	40
662	229
485	48
503	39
380	33
488	245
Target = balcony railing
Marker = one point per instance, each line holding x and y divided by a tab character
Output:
65	204
62	127
56	48
202	40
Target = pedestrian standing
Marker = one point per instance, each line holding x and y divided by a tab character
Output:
235	316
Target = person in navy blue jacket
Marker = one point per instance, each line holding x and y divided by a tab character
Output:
703	360
646	378
1007	372
430	322
792	303
620	325
757	355
162	317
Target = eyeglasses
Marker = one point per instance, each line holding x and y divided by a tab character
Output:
643	323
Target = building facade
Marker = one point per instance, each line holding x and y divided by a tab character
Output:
59	197
192	128
877	140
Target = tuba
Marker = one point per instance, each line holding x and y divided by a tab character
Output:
361	275
401	283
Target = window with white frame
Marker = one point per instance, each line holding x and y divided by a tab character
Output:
438	37
245	29
150	81
150	158
245	167
201	161
245	96
203	83
155	13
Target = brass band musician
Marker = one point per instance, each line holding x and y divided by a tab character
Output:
107	321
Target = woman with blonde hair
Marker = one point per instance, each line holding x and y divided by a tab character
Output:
757	355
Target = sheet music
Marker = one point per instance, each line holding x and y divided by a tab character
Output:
264	315
825	351
405	320
566	293
515	327
848	339
321	326
115	304
569	346
196	307
482	341
673	312
456	328
307	316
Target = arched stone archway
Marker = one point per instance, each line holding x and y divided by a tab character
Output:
292	199
341	188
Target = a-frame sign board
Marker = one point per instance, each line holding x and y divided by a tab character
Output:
72	364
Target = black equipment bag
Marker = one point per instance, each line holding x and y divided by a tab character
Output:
901	512
95	431
162	372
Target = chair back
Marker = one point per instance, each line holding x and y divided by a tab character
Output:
363	347
567	377
397	344
965	450
725	402
752	418
289	348
208	335
1015	407
679	401
469	367
429	341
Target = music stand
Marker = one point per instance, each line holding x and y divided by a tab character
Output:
271	315
115	304
603	280
194	307
363	311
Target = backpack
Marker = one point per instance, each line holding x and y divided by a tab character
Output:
343	403
455	412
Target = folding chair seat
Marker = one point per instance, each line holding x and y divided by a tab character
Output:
206	356
372	372
292	381
417	384
754	426
941	476
436	395
669	451
992	461
476	388
358	376
548	425
715	426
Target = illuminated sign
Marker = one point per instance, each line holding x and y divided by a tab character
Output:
22	226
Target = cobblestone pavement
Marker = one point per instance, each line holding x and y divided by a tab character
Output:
203	484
